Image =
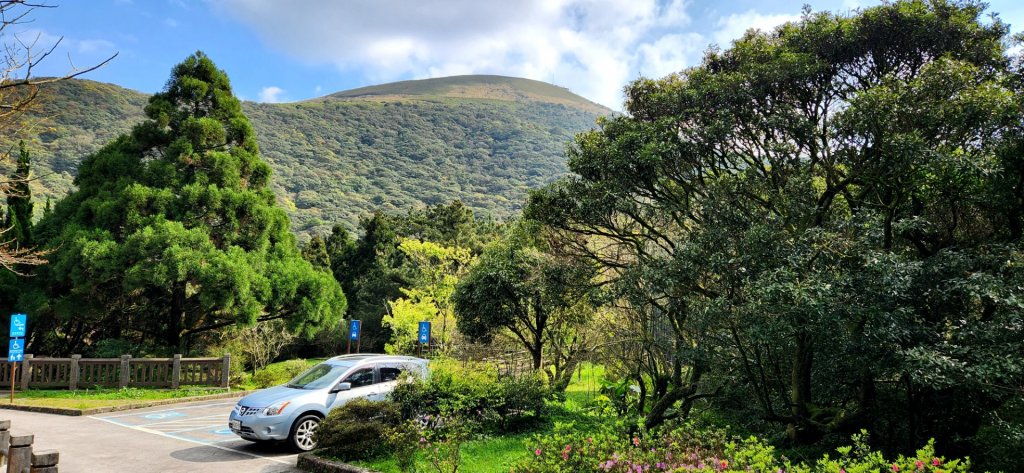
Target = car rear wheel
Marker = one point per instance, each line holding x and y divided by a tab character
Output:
301	438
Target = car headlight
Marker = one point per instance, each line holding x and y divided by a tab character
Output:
276	408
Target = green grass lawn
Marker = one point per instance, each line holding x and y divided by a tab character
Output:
488	455
103	397
585	385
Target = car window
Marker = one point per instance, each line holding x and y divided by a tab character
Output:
390	373
363	377
319	376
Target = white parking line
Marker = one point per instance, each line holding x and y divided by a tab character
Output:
167	410
224	426
208	444
189	419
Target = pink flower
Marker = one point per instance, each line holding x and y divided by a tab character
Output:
537	452
636	441
895	467
725	464
919	464
936	462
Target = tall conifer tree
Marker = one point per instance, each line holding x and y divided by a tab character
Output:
19	202
174	231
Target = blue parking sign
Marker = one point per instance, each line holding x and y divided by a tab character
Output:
18	325
424	333
353	329
16	350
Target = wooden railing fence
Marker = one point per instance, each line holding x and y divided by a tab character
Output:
125	371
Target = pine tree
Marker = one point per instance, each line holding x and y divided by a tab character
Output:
19	202
174	232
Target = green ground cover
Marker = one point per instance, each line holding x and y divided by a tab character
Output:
486	455
90	398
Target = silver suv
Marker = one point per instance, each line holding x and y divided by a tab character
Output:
294	410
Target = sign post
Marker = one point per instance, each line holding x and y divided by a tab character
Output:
354	329
424	337
16	346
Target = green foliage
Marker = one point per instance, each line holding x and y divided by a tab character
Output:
687	448
18	222
173	231
277	374
357	430
504	405
373	269
404	441
520	285
825	223
435	270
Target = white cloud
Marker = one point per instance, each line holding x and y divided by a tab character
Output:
89	46
271	94
733	27
170	22
592	47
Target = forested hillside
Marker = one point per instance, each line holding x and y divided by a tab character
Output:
482	139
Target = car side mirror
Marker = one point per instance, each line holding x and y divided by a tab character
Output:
341	387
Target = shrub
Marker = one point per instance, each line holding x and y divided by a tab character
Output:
686	448
495	405
279	373
358	430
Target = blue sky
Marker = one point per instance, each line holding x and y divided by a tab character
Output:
277	50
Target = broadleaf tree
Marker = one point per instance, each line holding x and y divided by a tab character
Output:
522	288
823	220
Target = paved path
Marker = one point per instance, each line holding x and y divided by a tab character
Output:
185	438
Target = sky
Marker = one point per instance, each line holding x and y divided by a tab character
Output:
284	51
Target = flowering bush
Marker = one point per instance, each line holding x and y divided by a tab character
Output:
693	450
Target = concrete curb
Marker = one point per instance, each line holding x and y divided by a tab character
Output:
102	410
312	463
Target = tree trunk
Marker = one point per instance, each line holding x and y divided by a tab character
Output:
176	317
799	429
657	415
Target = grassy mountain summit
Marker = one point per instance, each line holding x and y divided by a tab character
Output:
491	87
482	139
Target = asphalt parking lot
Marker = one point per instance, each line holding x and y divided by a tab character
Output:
188	437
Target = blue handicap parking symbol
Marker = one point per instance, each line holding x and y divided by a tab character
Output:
16	350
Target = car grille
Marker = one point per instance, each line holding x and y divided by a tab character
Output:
247	411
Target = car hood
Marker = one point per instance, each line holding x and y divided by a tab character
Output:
267	397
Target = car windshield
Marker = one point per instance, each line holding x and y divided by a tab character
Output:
319	376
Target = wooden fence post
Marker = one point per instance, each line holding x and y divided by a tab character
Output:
176	372
19	458
125	371
75	372
225	374
5	439
45	461
26	372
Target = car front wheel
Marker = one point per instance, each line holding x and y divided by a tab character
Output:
301	438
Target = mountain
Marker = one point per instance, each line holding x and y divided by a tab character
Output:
482	139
